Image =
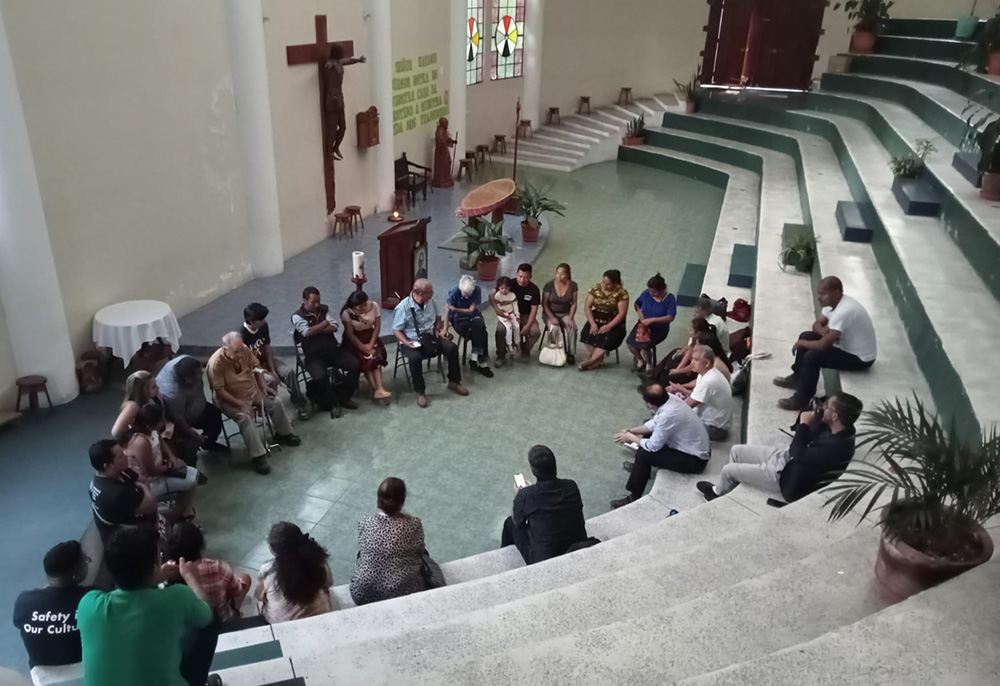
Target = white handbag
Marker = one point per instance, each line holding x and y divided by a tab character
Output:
553	351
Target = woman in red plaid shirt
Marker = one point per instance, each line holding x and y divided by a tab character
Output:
224	587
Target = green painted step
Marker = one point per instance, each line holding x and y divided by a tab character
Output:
237	657
922	28
947	50
852	224
691	283
743	266
973	86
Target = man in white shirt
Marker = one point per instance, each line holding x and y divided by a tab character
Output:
673	439
712	396
843	337
703	309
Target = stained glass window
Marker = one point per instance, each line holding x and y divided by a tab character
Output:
508	39
474	43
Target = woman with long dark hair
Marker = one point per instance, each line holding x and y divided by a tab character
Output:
655	307
151	457
605	308
297	582
362	319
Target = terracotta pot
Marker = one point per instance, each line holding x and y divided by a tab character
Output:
993	63
488	268
990	190
904	571
691	106
863	42
529	232
631	142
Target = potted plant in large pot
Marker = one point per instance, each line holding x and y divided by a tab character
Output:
486	243
989	160
914	192
869	17
690	91
941	488
635	132
534	201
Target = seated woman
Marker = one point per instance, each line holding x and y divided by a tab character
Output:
167	476
225	588
297	582
605	308
559	301
656	308
676	367
390	549
362	319
721	363
140	389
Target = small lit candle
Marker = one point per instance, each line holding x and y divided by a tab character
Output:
395	214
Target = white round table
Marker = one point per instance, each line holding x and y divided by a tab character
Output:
124	327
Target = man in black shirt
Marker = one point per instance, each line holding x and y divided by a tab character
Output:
116	494
548	515
257	336
529	298
46	617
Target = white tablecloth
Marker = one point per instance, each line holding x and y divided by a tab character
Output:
124	327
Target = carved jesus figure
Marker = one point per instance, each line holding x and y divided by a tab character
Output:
333	100
442	156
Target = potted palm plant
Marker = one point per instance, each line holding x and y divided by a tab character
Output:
534	201
869	17
486	243
690	91
989	160
941	488
799	253
635	132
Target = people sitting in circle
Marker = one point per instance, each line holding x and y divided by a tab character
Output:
225	588
315	327
842	337
606	308
676	366
137	630
423	335
362	318
704	308
821	449
675	439
242	394
149	456
296	583
141	388
711	396
391	549
257	335
197	422
548	515
656	307
463	314
508	318
117	497
46	617
559	302
528	300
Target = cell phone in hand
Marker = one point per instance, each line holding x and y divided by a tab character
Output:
519	481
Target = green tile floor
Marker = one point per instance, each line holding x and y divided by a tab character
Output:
458	456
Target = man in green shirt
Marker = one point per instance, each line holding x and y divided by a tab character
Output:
133	635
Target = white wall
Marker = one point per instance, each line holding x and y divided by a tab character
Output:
8	372
940	9
492	109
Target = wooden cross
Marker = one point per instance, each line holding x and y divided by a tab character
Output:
317	53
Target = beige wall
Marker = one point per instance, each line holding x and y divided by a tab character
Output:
131	118
8	372
492	109
940	9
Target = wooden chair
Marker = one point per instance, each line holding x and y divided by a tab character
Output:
412	178
402	362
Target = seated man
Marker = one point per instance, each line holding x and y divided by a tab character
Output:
843	337
257	335
463	313
117	496
710	394
548	515
46	616
821	449
315	327
673	439
241	394
703	309
133	635
422	335
183	392
529	298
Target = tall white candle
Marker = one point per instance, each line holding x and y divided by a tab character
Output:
358	259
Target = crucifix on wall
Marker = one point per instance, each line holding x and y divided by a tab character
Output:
330	58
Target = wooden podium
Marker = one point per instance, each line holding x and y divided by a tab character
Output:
403	259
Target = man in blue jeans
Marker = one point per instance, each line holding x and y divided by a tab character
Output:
843	337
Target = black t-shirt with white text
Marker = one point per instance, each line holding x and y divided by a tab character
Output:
256	341
46	618
115	500
527	297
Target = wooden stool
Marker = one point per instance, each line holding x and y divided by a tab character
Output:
402	201
342	224
32	385
354	216
466	166
553	116
471	155
526	130
482	151
584	102
500	143
625	96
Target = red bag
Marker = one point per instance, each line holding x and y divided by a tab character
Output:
641	333
740	311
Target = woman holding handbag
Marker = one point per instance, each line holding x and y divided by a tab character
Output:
559	302
656	308
362	322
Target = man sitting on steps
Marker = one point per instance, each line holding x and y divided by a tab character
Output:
821	449
843	337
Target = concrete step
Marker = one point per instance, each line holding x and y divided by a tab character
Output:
575	136
543	146
614	116
980	88
650	106
591	126
669	101
549	137
944	49
631	111
528	161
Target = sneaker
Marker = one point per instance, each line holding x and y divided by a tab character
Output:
348	404
785	381
261	466
458	388
288	439
622	502
422	400
485	371
795	403
707	489
215	447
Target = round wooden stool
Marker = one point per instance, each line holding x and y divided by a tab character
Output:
342	224
32	386
482	151
526	130
625	96
584	102
354	215
471	155
402	201
465	166
500	143
553	116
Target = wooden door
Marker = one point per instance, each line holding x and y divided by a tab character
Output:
726	42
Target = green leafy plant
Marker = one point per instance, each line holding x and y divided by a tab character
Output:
800	253
690	89
485	239
867	15
941	487
636	128
908	166
534	201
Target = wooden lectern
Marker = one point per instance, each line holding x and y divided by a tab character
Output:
403	259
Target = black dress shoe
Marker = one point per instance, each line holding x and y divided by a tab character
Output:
349	404
261	466
627	466
707	489
571	360
288	439
485	371
615	504
215	447
336	412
